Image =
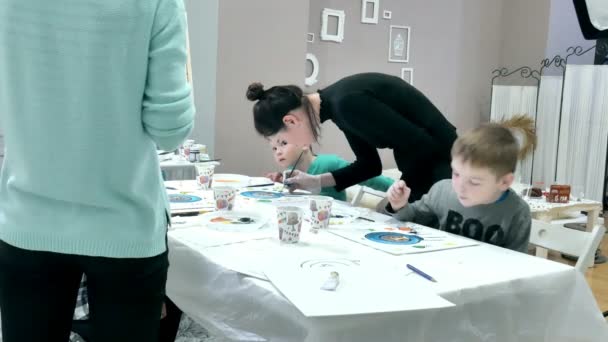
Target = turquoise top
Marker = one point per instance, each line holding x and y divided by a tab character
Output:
88	90
328	162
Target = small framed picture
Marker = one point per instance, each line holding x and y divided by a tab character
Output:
310	37
387	14
407	74
369	11
332	26
399	44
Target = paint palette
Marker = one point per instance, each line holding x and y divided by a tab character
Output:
234	221
190	201
183	198
393	238
342	215
262	195
408	238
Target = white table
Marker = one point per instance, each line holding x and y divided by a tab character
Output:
500	295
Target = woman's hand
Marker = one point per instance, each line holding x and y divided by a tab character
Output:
304	181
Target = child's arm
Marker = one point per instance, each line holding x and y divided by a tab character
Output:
519	231
276	177
380	183
408	212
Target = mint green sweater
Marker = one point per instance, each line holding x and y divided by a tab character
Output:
88	90
329	162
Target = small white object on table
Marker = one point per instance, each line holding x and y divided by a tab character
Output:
500	295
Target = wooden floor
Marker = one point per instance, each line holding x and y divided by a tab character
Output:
597	277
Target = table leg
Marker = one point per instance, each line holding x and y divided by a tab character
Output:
540	251
592	216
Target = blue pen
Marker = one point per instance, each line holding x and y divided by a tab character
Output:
420	273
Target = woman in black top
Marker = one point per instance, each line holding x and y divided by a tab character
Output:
374	111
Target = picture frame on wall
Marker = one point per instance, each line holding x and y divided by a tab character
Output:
327	32
369	11
310	37
387	14
314	73
407	74
399	44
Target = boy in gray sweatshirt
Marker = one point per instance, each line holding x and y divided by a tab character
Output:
477	202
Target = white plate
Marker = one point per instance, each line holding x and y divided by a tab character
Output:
226	221
348	215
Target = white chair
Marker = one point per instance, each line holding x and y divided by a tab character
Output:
356	193
568	241
356	201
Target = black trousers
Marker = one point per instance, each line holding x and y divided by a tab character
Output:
38	293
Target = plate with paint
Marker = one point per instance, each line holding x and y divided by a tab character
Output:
234	221
262	195
342	215
230	179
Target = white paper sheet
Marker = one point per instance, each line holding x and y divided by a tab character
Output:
363	289
431	239
199	238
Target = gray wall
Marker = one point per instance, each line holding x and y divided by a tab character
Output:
454	46
525	25
258	41
203	29
564	31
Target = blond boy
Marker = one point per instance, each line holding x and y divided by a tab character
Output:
477	202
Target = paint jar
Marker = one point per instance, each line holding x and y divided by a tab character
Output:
193	156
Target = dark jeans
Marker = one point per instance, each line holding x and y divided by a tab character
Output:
38	294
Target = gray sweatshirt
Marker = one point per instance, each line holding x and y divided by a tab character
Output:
505	223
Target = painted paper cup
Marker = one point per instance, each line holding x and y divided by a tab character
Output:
320	212
224	197
289	221
204	176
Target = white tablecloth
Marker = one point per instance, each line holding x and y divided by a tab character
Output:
500	295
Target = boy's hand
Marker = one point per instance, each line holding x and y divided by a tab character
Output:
398	194
276	177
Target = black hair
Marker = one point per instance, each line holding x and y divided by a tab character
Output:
273	104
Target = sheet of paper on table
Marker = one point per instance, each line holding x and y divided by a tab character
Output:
362	289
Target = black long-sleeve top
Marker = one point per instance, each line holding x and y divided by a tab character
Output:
381	111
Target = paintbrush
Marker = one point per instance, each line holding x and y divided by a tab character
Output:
294	167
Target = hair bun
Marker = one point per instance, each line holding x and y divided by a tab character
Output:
255	91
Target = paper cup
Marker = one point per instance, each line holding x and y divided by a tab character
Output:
204	176
289	221
224	197
320	212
